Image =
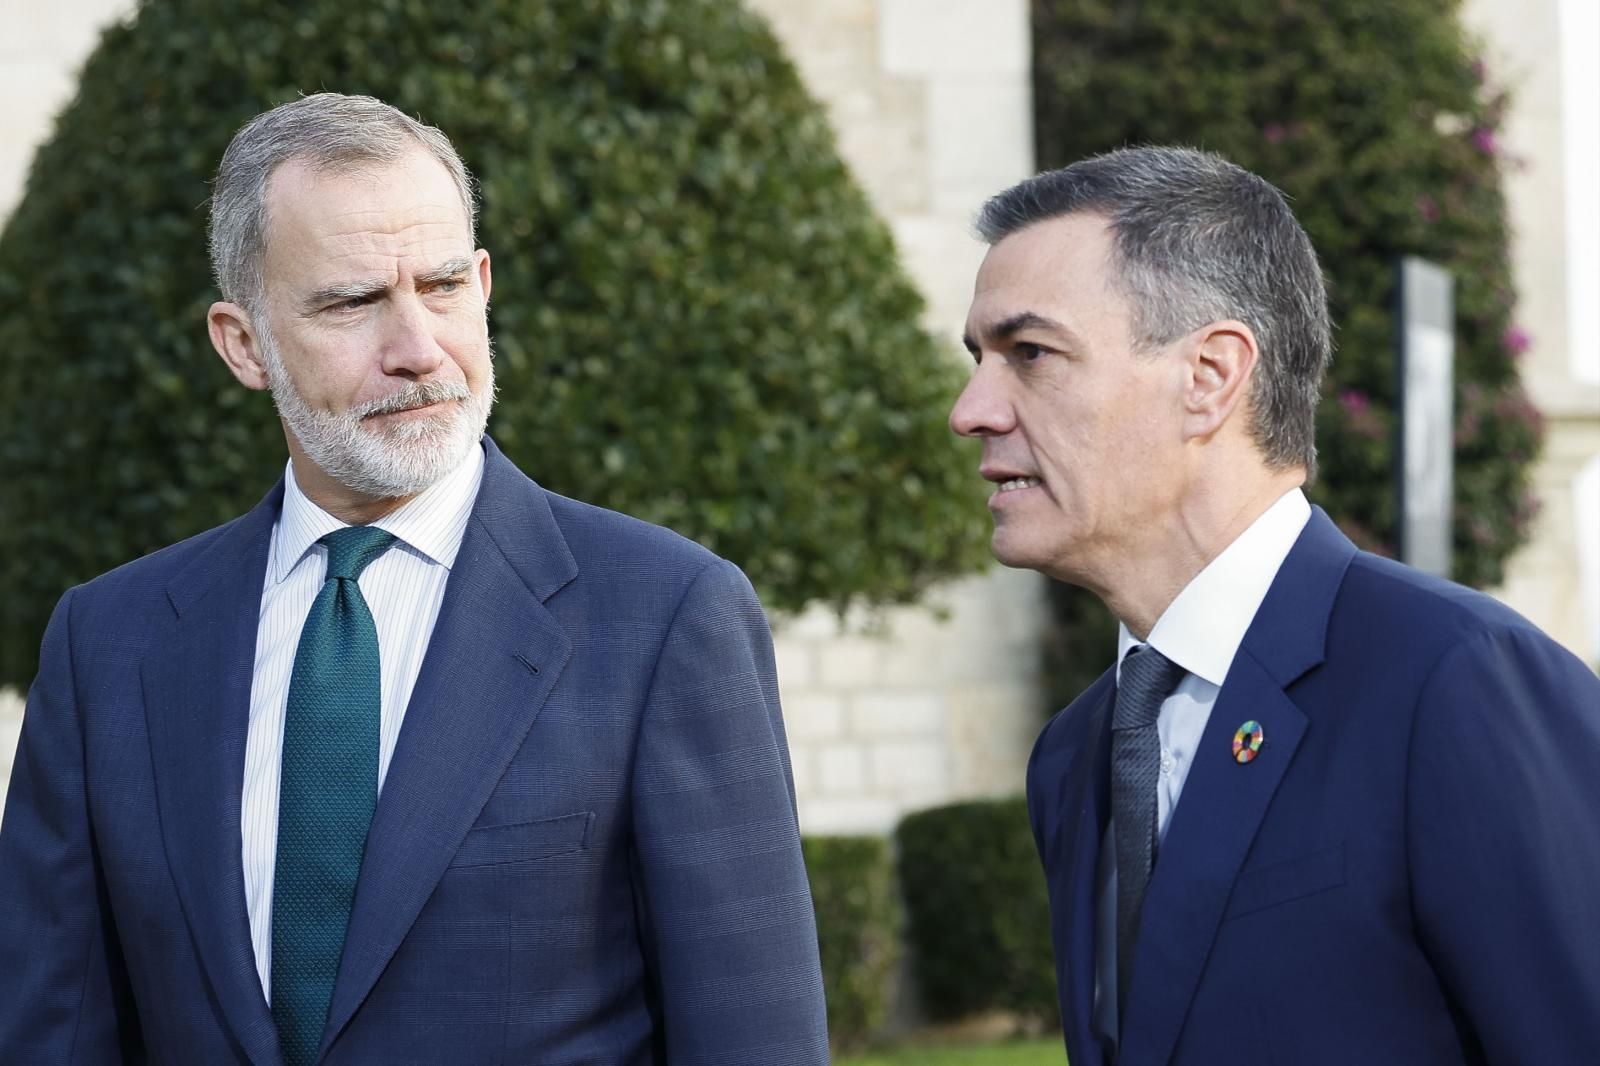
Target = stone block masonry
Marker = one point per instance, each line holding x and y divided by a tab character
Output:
912	709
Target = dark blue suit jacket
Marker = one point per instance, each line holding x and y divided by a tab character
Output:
586	848
1407	874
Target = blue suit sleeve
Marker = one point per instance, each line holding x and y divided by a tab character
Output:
65	996
1503	828
726	907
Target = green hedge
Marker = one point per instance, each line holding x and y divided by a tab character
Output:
1376	118
978	919
858	928
698	317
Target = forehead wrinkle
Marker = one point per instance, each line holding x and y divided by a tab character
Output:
378	220
1057	269
312	204
352	258
406	239
358	232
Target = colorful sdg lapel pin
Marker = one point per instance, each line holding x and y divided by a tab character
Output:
1247	742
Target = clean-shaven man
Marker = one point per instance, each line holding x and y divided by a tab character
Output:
1324	809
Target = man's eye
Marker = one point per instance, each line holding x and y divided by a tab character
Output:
447	288
353	303
1028	352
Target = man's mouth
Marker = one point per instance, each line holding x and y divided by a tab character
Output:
417	401
1013	484
406	410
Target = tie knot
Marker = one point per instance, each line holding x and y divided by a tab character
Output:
352	548
1148	678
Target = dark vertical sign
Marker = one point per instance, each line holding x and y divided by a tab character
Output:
1424	459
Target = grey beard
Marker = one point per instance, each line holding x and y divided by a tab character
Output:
402	461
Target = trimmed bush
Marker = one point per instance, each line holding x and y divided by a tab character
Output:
1374	116
858	930
978	919
698	318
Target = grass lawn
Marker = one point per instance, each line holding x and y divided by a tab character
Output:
1022	1053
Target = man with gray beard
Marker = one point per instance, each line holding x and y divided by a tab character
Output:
416	762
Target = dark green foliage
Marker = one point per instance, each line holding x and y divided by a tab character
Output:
698	318
978	921
1079	643
1373	116
858	929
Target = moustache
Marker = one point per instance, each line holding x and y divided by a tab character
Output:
417	394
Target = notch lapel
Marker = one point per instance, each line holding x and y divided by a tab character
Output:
1223	802
495	654
1082	829
196	681
1222	806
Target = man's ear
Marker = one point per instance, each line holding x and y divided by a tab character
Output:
485	275
1222	361
234	338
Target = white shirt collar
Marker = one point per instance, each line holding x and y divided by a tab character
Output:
431	525
1202	629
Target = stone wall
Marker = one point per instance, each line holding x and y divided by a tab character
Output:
931	103
42	45
1523	46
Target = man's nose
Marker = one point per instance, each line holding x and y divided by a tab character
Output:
982	409
410	342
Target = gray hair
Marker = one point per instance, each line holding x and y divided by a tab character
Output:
331	132
1199	240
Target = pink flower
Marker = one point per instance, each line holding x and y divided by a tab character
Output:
1361	419
1528	508
1483	140
1516	341
1428	208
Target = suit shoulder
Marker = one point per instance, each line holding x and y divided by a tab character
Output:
152	572
1069	727
600	537
1410	623
1424	602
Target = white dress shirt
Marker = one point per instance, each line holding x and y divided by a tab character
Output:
1201	631
403	587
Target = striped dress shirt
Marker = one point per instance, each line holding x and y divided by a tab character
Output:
403	587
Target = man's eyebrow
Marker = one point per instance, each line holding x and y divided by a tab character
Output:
341	291
1011	325
449	270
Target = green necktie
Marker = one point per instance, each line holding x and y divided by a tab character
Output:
329	786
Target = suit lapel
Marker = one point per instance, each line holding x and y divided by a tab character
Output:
494	656
1223	802
1211	832
1082	830
197	682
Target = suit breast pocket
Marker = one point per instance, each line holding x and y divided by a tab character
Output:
1286	880
497	845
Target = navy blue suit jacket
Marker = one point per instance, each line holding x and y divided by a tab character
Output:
585	851
1409	871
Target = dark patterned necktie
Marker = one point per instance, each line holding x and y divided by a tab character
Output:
1148	678
329	786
